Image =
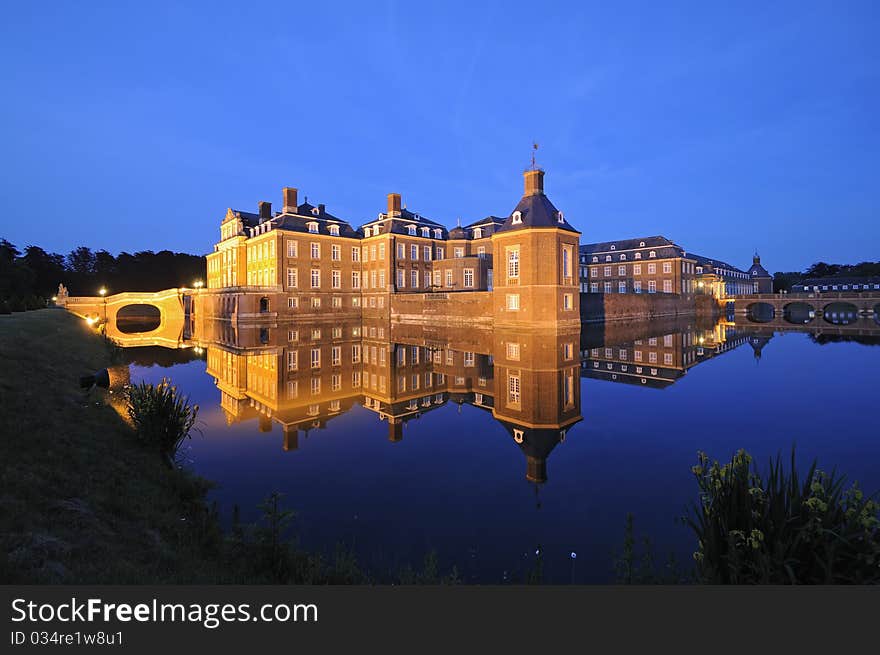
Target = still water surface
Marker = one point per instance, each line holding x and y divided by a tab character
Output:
490	448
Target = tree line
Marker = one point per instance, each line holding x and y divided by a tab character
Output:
29	278
783	281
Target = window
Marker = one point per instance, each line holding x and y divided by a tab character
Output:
292	388
382	279
401	251
292	360
621	286
355	254
316	389
652	254
316	278
411	230
607	287
292	302
566	262
469	359
513	390
623	257
441	252
638	255
607	271
652	357
595	259
291	278
652	286
667	286
334	230
292	335
448	278
313	228
481	251
594	271
516	218
401	278
426	232
667	267
652	268
316	302
291	248
567	302
316	358
667	359
512	351
469	278
513	302
356	353
607	258
414	279
637	269
438	233
413	252
637	286
458	252
373	279
381	251
513	263
336	253
372	253
621	270
478	233
336	279
355	279
568	350
316	250
594	287
426	253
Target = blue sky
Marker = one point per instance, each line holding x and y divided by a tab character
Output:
132	126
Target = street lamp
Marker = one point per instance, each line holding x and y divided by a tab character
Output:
198	284
103	292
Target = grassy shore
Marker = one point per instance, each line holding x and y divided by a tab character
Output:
80	500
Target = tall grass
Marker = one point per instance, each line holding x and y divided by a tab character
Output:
162	416
782	529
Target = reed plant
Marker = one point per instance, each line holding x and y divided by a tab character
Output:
162	416
783	529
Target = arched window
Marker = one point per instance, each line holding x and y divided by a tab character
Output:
595	259
613	247
313	227
334	230
316	211
559	217
623	256
638	255
641	244
517	218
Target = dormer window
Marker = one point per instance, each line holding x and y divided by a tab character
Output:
368	231
517	218
595	259
438	233
316	211
607	258
641	244
638	255
313	227
334	230
652	254
560	218
478	233
426	232
623	257
613	247
411	230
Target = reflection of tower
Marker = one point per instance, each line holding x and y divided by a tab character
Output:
757	343
395	429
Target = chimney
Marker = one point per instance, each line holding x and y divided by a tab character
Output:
321	209
265	210
534	179
394	204
290	203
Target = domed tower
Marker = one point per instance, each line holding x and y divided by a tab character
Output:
536	262
762	281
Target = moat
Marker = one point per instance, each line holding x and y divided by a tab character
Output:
497	447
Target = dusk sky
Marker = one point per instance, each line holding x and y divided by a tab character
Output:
133	126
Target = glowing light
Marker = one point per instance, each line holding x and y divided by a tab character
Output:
102	291
54	298
198	284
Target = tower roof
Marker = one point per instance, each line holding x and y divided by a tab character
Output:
535	208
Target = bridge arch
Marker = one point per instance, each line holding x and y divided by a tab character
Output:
798	312
138	317
840	313
760	312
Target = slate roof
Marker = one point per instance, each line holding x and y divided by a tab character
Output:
756	270
535	210
839	281
662	247
305	214
714	263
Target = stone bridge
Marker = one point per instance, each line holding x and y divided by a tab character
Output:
850	310
173	306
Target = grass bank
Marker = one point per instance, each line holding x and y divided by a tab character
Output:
80	500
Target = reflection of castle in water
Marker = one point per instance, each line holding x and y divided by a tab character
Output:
303	374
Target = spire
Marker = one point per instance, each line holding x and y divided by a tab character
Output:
757	258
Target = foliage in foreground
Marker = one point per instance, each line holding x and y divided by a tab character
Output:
161	415
782	530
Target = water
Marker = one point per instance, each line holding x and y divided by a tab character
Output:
488	482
